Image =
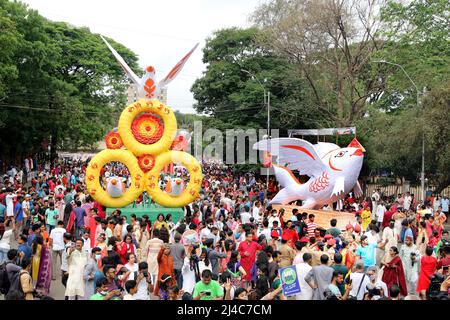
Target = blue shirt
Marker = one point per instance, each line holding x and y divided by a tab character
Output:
367	254
25	248
445	204
2	210
261	196
18	212
31	239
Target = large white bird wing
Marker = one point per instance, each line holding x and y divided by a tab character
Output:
296	154
133	77
323	148
176	70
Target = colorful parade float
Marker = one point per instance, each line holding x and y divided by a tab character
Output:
147	142
333	172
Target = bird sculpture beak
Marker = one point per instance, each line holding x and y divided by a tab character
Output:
178	182
358	152
114	182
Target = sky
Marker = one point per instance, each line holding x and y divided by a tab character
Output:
159	32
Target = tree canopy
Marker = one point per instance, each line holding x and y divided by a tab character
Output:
319	60
58	84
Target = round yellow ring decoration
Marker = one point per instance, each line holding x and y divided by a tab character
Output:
192	189
93	175
149	106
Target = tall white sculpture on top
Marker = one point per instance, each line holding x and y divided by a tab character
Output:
147	86
333	170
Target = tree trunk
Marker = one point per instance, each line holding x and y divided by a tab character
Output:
442	185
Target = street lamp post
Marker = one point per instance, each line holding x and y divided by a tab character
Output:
266	93
422	174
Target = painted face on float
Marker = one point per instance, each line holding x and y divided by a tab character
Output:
345	159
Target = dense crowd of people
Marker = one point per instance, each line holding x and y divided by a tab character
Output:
229	245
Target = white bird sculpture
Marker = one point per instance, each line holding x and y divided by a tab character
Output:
147	86
333	170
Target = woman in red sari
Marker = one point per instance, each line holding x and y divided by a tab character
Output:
394	273
125	248
427	267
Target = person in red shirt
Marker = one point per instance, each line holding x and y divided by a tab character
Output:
290	234
101	210
51	185
388	215
248	249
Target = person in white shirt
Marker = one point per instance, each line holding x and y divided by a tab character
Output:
381	209
407	202
9	201
376	282
375	199
245	215
255	212
359	281
57	244
131	288
207	231
265	230
189	270
144	283
5	240
436	203
26	209
303	269
124	227
132	267
86	242
273	217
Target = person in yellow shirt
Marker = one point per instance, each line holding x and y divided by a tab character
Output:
366	216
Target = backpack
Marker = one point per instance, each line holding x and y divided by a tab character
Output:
4	280
15	291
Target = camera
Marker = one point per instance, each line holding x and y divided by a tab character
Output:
433	291
413	258
145	273
374	290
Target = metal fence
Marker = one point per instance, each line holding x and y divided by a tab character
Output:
395	189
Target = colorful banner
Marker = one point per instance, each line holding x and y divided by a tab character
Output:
322	132
289	281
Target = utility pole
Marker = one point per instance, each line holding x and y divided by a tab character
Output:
268	137
266	93
418	103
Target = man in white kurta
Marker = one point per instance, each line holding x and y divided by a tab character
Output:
390	234
77	261
153	247
303	268
411	258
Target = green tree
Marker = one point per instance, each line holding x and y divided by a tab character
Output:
417	39
230	94
68	88
330	44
